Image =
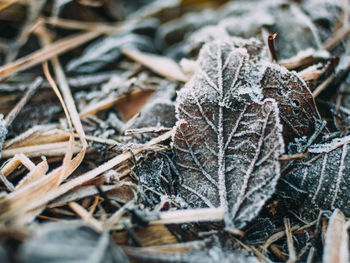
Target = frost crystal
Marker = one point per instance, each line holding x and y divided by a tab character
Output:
296	31
227	140
324	175
224	72
3	131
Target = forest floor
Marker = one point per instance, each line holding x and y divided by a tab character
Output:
174	131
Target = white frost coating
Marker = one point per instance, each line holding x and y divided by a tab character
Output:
297	31
3	131
327	147
324	175
219	109
245	82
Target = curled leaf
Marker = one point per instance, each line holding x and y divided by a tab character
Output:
324	176
297	107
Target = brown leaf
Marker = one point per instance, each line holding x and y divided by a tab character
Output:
324	176
227	142
297	107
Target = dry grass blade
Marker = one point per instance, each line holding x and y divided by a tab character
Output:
15	162
39	171
292	255
6	182
322	86
161	65
57	48
30	92
338	36
43	191
191	215
34	8
115	218
336	248
276	237
69	109
6	3
78	25
26	137
86	216
49	149
41	137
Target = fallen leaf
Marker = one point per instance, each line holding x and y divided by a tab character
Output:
227	141
323	175
298	111
69	242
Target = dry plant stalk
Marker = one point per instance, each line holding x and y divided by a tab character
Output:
163	66
45	189
292	255
86	216
30	92
59	47
48	150
336	248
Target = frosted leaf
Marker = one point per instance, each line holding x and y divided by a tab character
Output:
296	31
69	242
4	257
325	176
297	107
218	254
223	66
3	131
226	145
160	112
36	112
107	50
341	114
149	174
324	14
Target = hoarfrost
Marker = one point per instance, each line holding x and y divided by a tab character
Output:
69	242
3	131
296	30
223	66
149	174
325	176
159	113
324	14
218	254
227	141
